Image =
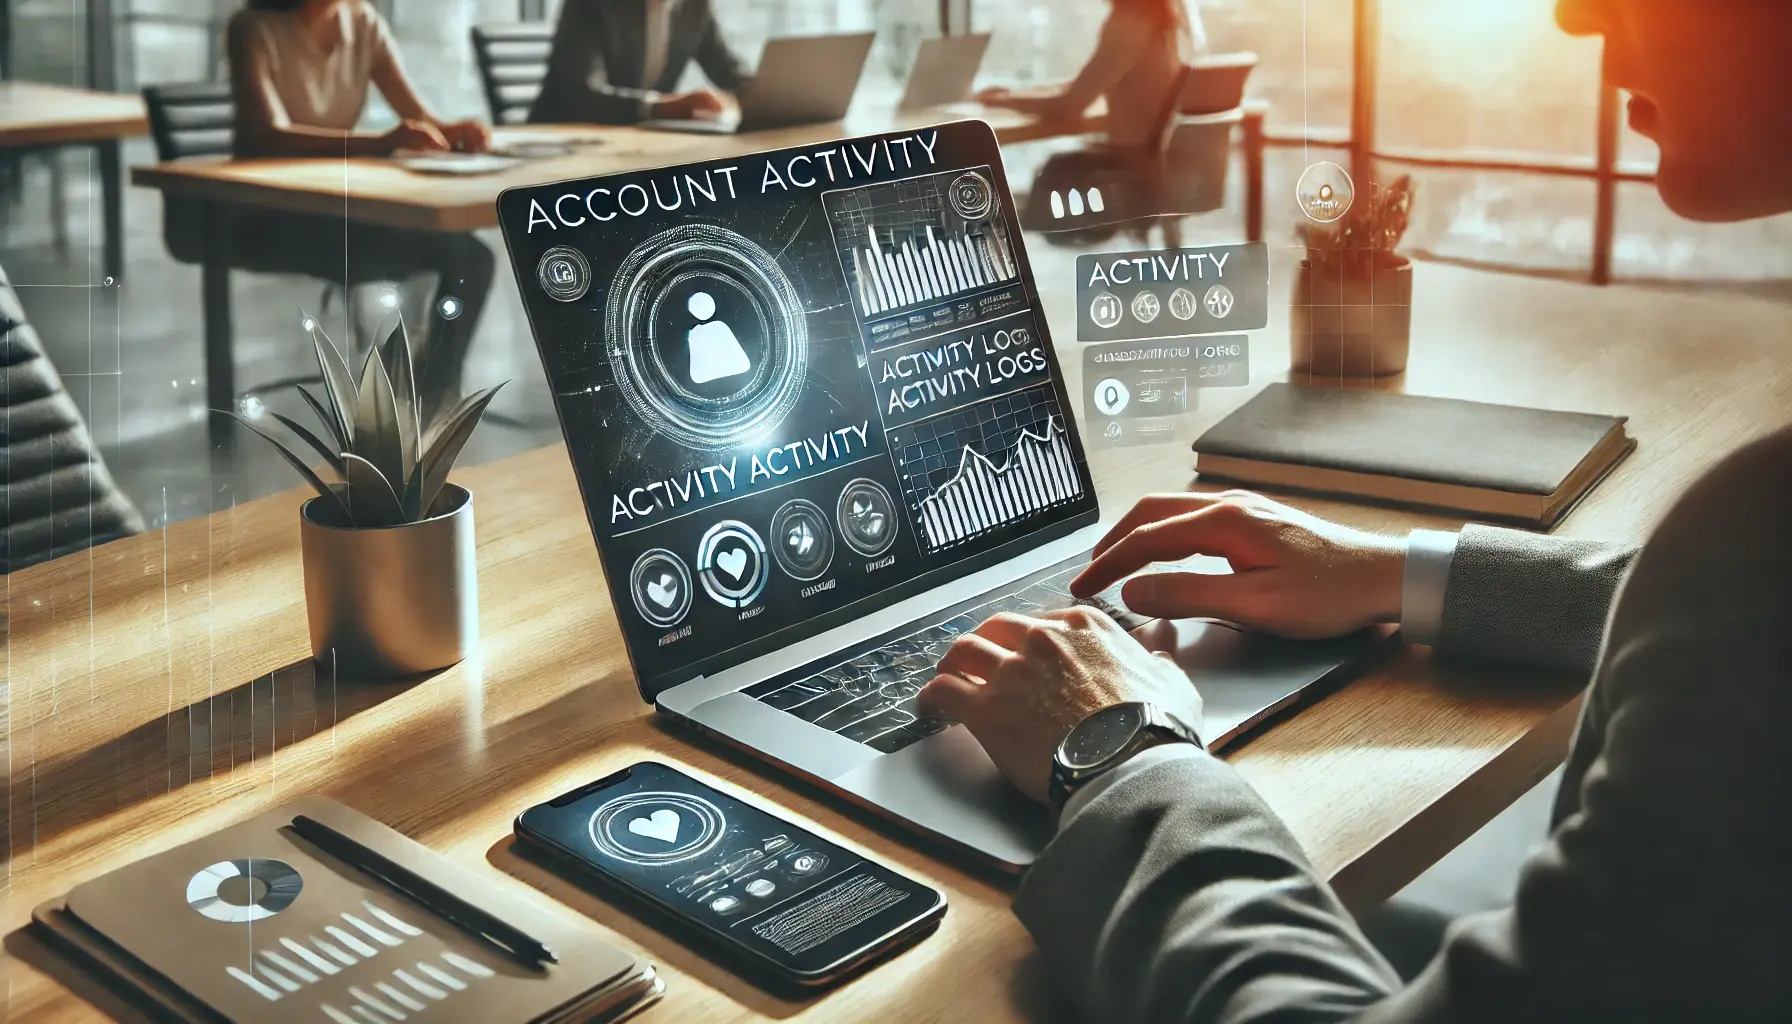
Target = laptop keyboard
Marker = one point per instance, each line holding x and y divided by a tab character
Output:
870	697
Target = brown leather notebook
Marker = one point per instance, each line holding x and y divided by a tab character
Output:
1525	466
253	923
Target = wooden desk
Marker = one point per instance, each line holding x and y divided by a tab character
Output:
36	115
160	685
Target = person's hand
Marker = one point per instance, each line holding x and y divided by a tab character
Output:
994	95
467	136
699	104
415	136
1292	573
1020	684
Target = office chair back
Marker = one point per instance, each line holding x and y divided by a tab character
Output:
191	119
513	62
1216	82
56	496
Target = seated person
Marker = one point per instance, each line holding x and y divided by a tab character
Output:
1141	46
1172	893
300	71
620	61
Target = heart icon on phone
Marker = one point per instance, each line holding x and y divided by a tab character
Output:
661	825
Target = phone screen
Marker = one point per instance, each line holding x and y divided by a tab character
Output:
780	894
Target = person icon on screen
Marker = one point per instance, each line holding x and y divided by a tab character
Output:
715	351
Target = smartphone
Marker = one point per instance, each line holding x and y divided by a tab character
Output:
772	896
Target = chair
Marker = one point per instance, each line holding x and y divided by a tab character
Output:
513	62
1199	149
197	120
1087	195
56	496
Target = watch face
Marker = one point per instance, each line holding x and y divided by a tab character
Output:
1102	735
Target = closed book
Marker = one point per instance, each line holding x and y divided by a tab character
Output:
1518	465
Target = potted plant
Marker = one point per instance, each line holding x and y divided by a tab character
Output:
391	585
1352	309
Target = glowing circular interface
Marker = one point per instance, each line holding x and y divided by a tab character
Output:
970	196
707	336
651	829
240	891
661	586
1325	192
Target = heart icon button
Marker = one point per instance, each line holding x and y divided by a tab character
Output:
664	591
661	825
733	562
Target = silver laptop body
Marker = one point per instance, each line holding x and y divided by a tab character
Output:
847	340
800	80
945	67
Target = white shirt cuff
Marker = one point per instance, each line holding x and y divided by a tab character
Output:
1428	557
1148	758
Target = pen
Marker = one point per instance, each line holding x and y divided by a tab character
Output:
502	934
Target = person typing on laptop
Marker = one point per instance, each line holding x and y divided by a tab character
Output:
620	62
1172	893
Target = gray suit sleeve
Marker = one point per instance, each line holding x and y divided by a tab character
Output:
577	87
1529	598
719	62
1178	897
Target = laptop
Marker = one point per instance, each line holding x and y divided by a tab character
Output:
801	80
944	68
820	431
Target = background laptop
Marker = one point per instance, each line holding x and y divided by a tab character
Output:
820	431
944	69
800	80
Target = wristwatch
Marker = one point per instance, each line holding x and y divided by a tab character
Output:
1105	739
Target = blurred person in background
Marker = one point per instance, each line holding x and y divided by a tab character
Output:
1662	891
1137	53
301	72
620	62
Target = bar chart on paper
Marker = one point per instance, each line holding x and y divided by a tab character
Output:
985	466
905	243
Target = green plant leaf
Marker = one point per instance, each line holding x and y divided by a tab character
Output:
333	458
325	417
339	383
404	397
376	421
446	443
371	501
329	493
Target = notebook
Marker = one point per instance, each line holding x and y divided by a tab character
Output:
1524	466
254	924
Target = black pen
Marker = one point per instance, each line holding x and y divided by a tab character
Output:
505	936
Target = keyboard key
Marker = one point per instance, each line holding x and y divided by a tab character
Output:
905	689
858	708
812	710
868	728
786	697
894	740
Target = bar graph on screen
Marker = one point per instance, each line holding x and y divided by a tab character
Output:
986	466
905	243
937	268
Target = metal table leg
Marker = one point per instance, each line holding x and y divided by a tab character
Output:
112	199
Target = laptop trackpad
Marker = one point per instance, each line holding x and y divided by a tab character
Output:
947	785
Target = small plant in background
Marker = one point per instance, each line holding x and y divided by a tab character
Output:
1364	239
389	466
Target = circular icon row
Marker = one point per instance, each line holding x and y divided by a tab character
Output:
1106	309
732	563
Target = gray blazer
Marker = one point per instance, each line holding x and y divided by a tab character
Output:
1663	891
597	61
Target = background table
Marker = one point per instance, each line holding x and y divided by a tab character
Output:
36	115
160	687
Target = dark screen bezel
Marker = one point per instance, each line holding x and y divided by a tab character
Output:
978	139
886	930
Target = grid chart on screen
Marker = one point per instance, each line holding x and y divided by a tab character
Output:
903	245
969	471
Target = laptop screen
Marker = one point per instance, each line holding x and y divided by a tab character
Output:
796	386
